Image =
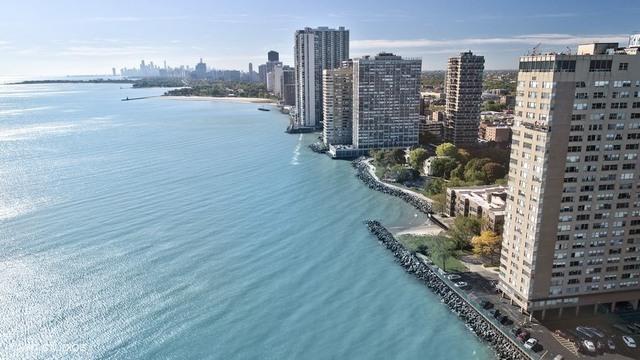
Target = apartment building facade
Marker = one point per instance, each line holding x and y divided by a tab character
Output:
386	101
315	50
338	105
463	86
572	229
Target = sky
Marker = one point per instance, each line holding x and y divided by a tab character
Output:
72	37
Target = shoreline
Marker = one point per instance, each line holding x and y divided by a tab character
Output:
423	204
243	100
470	314
428	228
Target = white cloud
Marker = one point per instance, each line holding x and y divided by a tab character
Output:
529	39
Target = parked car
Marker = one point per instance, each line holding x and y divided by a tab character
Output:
495	313
486	304
611	345
453	277
461	284
504	320
633	329
516	331
595	332
629	341
530	343
558	357
589	345
624	328
584	331
524	336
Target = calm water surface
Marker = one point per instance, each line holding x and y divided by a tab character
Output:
163	229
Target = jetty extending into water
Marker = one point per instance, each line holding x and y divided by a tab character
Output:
505	347
138	98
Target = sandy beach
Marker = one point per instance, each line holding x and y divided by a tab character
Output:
424	229
246	100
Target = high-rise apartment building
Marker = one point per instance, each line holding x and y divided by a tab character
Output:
464	98
288	86
386	101
316	50
274	80
572	232
337	102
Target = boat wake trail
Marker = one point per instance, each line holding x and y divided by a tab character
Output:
296	152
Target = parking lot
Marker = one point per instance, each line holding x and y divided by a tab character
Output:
567	342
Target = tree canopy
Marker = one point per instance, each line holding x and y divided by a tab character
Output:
443	166
487	245
463	229
447	149
417	158
442	248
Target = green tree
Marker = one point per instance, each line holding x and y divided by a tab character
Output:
493	171
417	158
447	149
443	166
457	173
402	173
435	186
396	156
439	204
463	156
442	248
473	171
463	229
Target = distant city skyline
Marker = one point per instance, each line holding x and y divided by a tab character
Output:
72	37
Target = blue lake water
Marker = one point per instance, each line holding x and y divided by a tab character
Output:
173	229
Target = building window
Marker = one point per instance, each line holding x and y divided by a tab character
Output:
600	65
623	66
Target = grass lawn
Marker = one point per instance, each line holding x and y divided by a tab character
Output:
413	242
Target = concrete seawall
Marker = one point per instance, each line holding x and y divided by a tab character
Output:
482	326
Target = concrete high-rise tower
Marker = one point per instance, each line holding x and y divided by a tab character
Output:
386	101
464	98
316	50
571	234
337	102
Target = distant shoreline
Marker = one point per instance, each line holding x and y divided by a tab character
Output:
245	100
92	81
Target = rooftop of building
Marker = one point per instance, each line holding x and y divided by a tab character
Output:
386	57
591	49
487	196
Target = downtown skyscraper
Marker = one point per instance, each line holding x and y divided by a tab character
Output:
315	50
571	237
464	98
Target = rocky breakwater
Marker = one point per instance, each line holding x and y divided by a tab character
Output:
478	324
319	147
363	173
